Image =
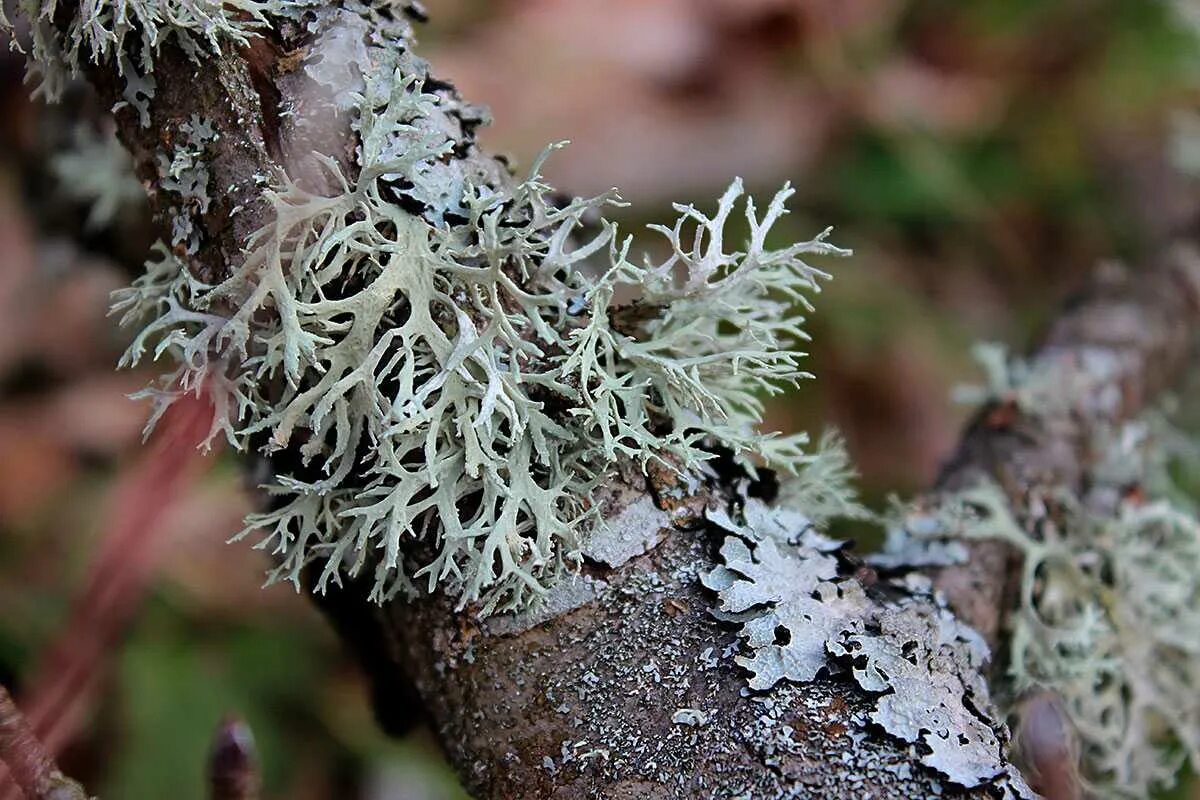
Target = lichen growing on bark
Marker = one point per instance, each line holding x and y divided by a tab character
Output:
127	34
801	617
443	354
1108	611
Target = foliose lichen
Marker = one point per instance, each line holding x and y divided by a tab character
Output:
801	616
185	174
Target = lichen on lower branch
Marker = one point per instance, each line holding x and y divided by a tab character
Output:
1108	611
801	616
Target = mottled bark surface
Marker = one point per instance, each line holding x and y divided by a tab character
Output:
597	700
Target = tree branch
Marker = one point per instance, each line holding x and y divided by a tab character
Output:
627	688
30	766
1132	336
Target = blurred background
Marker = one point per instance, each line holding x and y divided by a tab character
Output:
980	157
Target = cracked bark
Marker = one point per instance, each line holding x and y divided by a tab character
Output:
583	703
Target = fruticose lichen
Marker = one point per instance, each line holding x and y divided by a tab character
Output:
801	617
444	354
128	34
1108	617
98	171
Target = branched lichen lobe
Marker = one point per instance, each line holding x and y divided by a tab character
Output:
450	373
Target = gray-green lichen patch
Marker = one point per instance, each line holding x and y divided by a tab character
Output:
821	487
931	532
98	171
692	717
1108	616
434	342
629	533
185	175
800	618
789	605
138	92
433	346
926	669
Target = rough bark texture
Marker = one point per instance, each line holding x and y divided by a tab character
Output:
30	766
517	710
223	92
583	702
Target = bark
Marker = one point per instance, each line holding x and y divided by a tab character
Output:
30	765
609	675
581	701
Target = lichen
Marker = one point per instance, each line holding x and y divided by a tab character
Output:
98	171
1108	609
185	174
129	33
1108	618
801	617
788	604
1052	384
926	670
930	532
822	485
627	534
453	379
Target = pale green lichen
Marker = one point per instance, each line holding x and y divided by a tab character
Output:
454	382
129	33
1108	617
185	174
823	485
98	171
1109	620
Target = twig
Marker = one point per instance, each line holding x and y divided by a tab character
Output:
29	764
71	669
233	762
